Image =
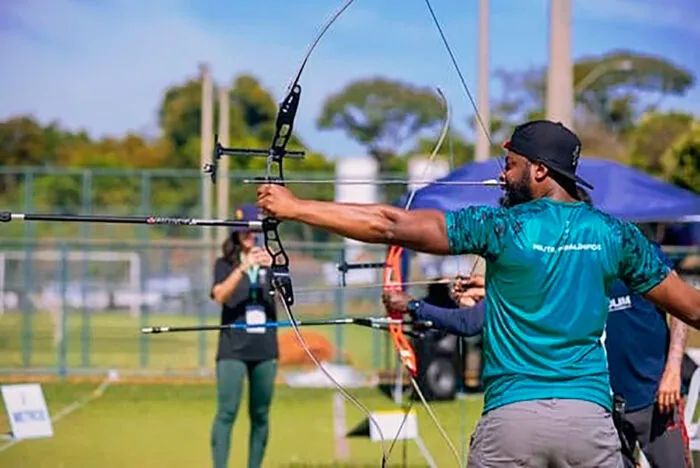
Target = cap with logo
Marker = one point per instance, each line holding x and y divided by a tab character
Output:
550	143
246	212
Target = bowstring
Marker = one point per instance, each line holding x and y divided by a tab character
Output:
433	154
486	131
288	310
343	391
434	418
463	82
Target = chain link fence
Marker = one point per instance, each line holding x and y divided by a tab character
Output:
77	307
74	296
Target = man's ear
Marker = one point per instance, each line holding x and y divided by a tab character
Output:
539	172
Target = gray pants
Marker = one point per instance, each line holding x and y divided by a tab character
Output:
659	435
546	433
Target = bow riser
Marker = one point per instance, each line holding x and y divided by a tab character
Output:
280	260
393	281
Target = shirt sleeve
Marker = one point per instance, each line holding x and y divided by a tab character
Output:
642	266
221	271
467	321
662	255
476	230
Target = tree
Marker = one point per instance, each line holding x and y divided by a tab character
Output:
252	114
655	133
681	161
460	152
612	91
381	114
179	118
614	86
26	142
131	151
255	108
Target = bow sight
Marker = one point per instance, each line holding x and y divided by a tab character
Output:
220	150
278	149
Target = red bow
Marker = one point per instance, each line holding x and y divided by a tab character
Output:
393	281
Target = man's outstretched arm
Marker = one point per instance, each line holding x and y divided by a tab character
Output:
419	230
677	298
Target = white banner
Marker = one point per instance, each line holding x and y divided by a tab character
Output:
26	409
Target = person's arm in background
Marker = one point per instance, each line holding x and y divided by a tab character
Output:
468	320
225	283
465	321
669	393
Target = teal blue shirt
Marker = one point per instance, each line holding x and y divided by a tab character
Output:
549	266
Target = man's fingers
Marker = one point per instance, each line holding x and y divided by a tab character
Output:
668	400
674	398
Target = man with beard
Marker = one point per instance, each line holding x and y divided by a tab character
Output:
550	259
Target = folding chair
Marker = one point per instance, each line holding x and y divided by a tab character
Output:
692	426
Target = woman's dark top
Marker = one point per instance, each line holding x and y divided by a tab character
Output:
249	301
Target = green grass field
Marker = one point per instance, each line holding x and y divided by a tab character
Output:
168	426
108	340
113	340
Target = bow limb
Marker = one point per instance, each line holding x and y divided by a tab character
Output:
393	281
463	82
281	279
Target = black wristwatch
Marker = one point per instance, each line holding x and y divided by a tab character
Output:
413	307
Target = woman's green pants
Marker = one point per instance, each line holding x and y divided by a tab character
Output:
230	374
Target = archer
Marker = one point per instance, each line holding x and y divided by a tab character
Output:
547	390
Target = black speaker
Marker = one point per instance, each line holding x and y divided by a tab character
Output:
440	365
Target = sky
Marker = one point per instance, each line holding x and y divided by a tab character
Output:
103	65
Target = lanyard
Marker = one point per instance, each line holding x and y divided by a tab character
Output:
252	273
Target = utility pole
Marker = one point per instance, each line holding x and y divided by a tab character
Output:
560	76
482	137
222	183
207	118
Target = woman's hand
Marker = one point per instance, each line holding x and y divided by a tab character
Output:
257	256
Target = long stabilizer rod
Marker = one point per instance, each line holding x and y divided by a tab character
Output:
482	183
7	216
371	322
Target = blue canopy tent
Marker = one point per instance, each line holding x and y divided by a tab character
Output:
620	191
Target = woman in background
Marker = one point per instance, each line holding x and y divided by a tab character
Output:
242	286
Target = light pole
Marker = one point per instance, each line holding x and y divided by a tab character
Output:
207	118
482	139
222	186
560	82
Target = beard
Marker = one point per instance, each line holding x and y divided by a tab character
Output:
517	191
